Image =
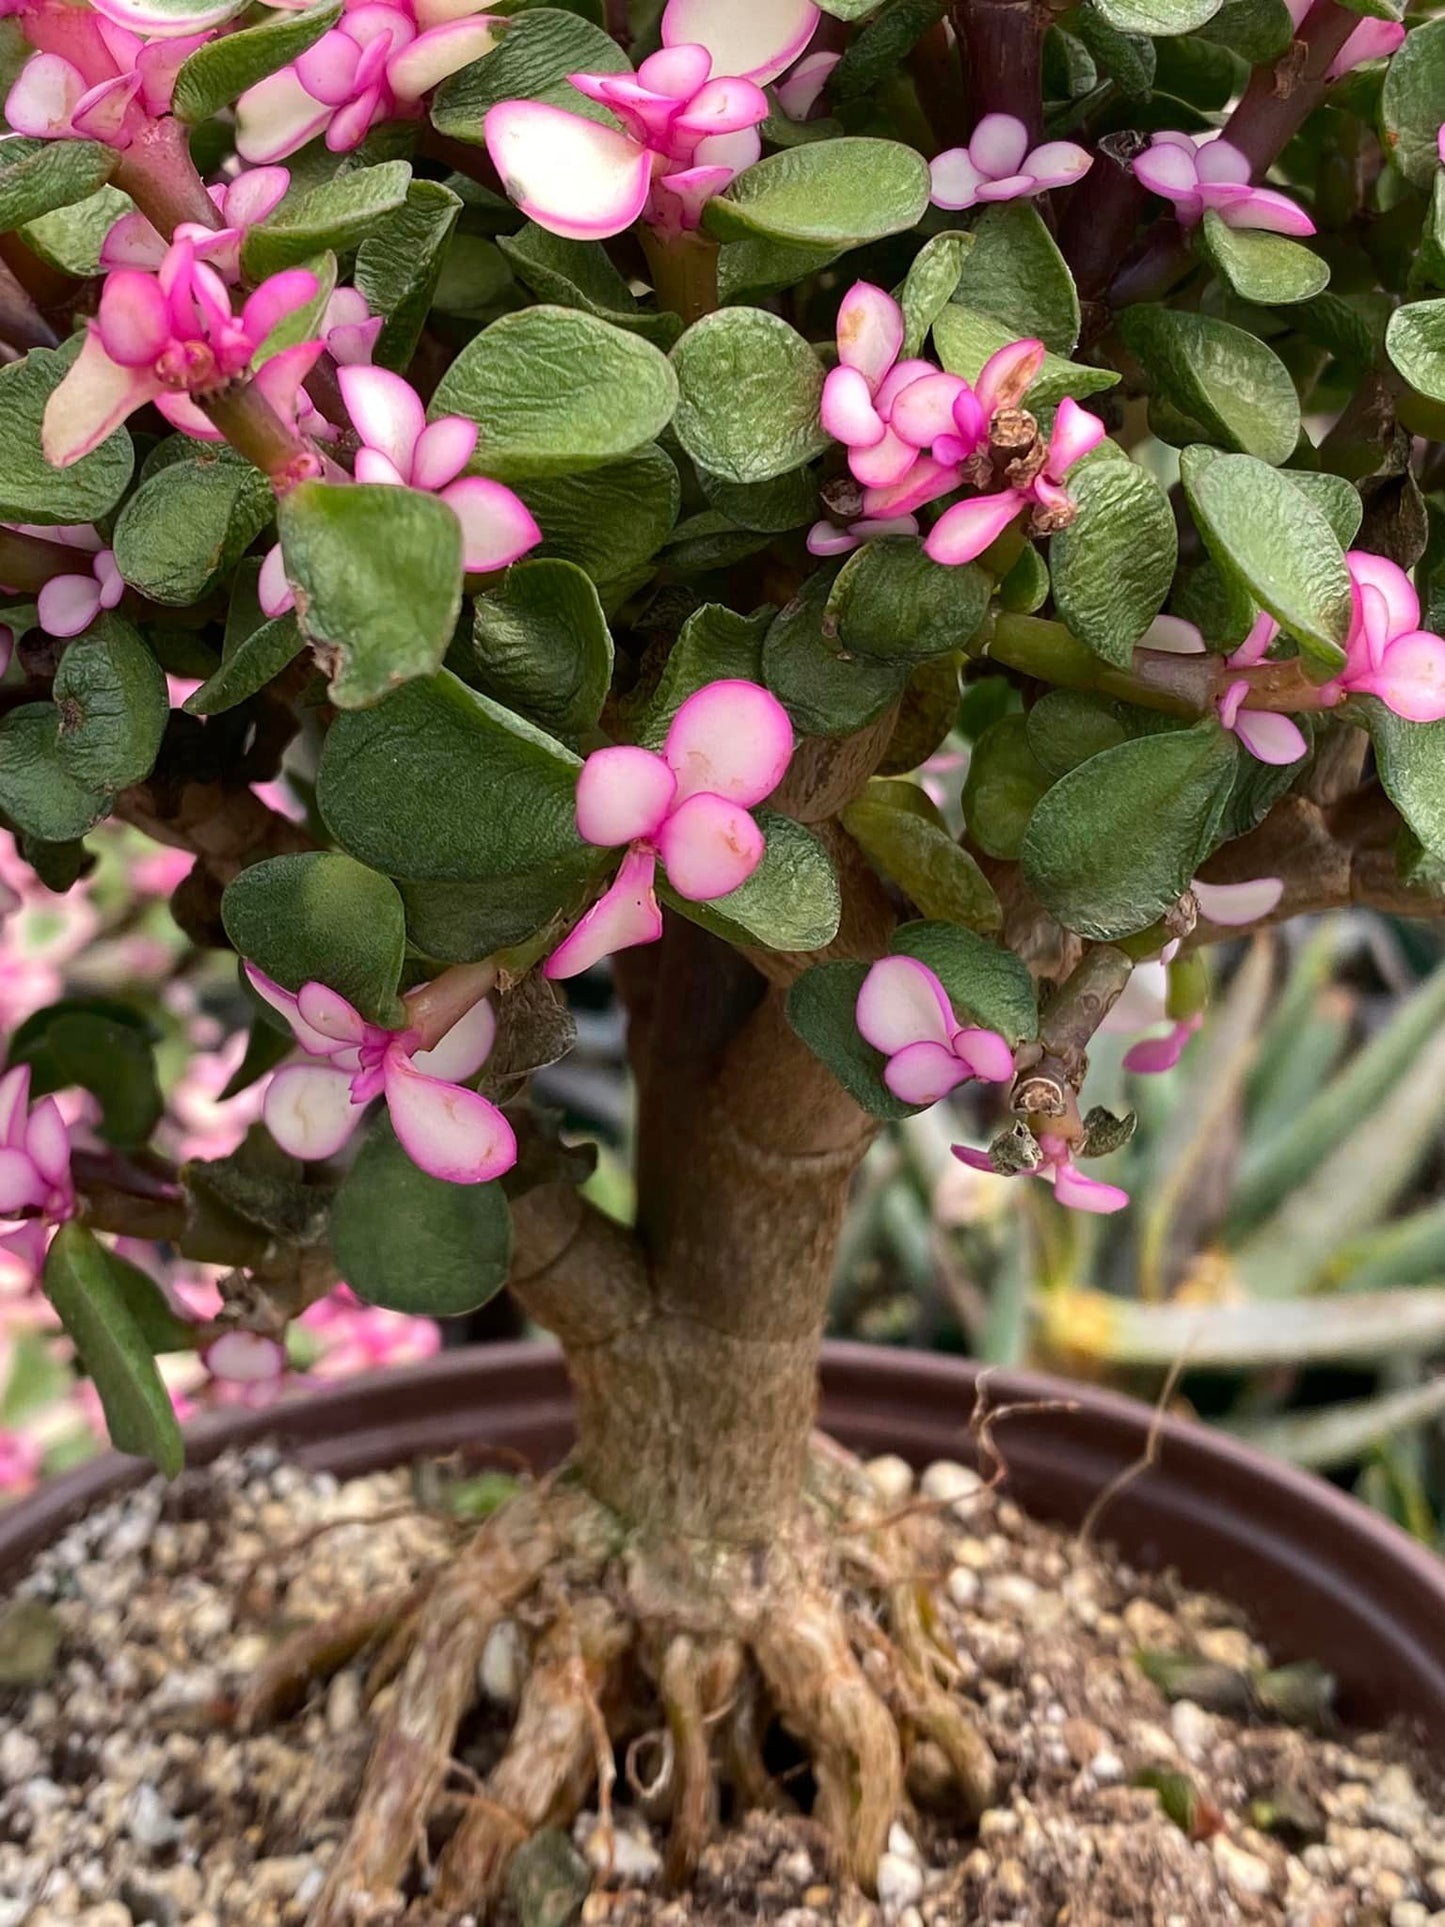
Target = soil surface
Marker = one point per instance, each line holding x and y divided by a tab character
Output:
124	1799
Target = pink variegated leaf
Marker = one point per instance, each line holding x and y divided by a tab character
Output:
572	176
902	1002
731	739
626	915
446	1130
756	39
497	526
623	793
709	847
308	1110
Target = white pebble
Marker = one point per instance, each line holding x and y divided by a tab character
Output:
1106	1767
1193	1729
901	1842
963	1586
892	1478
148	1820
1409	1913
1246	1874
900	1883
503	1663
796	1868
948	1483
634	1861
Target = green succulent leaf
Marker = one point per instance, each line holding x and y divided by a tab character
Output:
114	706
580	274
217	73
190	520
256	660
1015	272
101	1047
1271	539
825	691
540	48
541	646
555	391
1112	567
1410	758
749	389
1157	16
928	287
1415	340
1268	269
37	792
1004	783
1410	102
399	264
1220	376
37	176
934	872
829	194
440	784
321	917
377	573
790	902
609	521
337	214
1114	844
81	1282
414	1243
965	338
891	604
30	489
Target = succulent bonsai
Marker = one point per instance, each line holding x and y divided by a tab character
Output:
592	458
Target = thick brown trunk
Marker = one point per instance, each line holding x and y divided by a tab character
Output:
694	1351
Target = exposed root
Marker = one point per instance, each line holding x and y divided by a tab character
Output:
544	1775
680	1657
316	1652
803	1649
413	1749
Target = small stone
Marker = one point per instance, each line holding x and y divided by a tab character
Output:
548	1880
818	1896
503	1663
149	1821
634	1861
963	1587
910	1917
796	1868
20	1757
343	1703
1083	1740
892	1478
1247	1876
900	1883
901	1842
1194	1730
1409	1913
950	1484
1106	1767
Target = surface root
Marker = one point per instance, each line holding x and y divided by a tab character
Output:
681	1659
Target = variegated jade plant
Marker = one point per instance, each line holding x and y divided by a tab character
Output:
590	453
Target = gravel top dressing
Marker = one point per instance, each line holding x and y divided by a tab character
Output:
125	1799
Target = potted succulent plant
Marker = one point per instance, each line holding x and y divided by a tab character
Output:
593	455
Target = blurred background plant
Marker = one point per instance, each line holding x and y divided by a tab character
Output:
1280	1271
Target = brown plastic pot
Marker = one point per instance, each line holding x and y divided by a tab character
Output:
1320	1576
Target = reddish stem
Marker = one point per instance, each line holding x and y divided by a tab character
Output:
254	429
1002	43
28	562
157	172
1281	96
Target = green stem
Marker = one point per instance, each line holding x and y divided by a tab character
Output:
1178	685
684	272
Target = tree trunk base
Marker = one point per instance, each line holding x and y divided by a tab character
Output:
678	1656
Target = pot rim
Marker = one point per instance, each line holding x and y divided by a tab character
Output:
1320	1575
